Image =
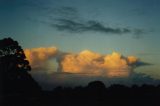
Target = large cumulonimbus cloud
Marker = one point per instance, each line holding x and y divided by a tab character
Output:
90	63
85	62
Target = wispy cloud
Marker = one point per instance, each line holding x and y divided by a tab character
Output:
70	20
75	26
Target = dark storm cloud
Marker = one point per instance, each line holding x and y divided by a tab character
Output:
75	26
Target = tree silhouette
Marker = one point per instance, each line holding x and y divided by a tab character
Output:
14	68
96	85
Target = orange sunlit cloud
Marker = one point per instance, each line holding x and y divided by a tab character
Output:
88	62
85	62
38	57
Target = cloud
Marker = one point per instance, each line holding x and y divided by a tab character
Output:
91	63
95	26
70	20
39	57
85	63
65	12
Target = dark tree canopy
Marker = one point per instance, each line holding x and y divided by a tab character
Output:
96	85
14	68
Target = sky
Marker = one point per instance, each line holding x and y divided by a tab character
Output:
85	39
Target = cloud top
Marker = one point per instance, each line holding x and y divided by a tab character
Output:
86	62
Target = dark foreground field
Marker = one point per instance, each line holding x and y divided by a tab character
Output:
95	94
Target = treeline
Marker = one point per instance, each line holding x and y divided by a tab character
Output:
97	90
94	94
